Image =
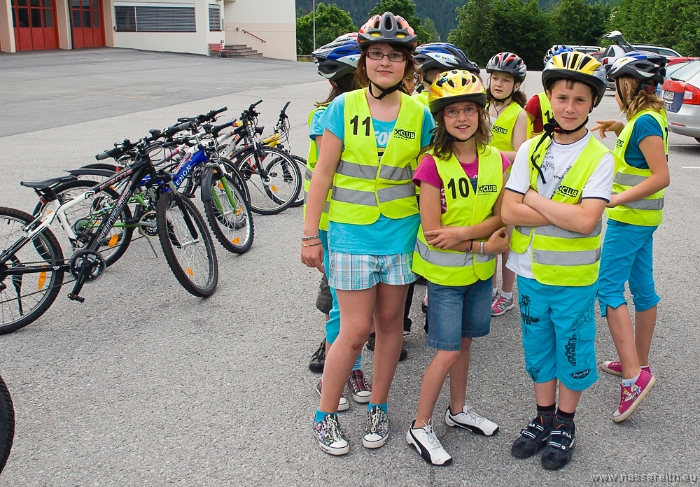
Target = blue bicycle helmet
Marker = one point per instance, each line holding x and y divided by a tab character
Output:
554	50
443	56
338	58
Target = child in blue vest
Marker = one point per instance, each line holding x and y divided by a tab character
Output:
556	194
371	141
461	179
634	212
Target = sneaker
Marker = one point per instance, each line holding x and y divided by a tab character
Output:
377	429
631	396
361	390
370	342
558	451
318	359
343	404
330	438
531	438
427	444
471	421
501	305
614	367
404	353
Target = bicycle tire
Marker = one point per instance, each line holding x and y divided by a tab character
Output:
123	234
232	223
301	163
173	230
7	424
45	247
267	197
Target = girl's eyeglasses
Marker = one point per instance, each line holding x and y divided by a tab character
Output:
454	112
394	57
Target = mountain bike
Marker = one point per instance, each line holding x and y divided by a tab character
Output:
32	265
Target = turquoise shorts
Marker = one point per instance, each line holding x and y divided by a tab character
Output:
627	257
558	329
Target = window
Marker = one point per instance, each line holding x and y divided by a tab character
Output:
143	18
214	18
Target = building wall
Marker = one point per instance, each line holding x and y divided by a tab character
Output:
7	33
272	21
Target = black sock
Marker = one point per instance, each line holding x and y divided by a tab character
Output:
546	412
564	418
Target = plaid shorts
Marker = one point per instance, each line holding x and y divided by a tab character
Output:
351	272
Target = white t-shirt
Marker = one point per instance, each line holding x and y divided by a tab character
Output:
557	162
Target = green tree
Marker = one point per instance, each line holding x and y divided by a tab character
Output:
431	30
407	10
331	21
524	29
475	33
571	19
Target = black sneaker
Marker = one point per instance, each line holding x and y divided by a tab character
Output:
531	438
318	359
404	354
558	451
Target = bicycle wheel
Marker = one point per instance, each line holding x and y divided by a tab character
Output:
301	163
86	216
228	213
24	298
7	424
279	189
187	244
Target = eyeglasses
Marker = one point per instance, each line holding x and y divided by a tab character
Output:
394	57
454	112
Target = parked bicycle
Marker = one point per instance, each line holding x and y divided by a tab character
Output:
7	424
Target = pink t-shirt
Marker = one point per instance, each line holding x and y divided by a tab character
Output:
427	172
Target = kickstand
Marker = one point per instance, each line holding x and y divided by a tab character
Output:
152	248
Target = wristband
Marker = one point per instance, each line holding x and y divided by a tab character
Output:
481	247
304	239
310	245
471	242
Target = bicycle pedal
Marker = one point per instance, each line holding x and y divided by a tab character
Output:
75	297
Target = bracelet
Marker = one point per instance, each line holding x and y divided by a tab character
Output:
310	245
481	248
304	239
471	242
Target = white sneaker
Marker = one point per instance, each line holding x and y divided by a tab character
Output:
330	437
377	428
343	404
427	444
469	420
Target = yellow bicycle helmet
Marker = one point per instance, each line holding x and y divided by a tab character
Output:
455	86
576	66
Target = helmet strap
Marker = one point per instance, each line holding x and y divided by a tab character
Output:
452	138
383	92
550	128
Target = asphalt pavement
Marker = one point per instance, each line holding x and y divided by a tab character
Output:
144	384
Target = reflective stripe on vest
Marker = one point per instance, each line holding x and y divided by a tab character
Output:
648	210
561	257
465	207
311	161
364	188
502	128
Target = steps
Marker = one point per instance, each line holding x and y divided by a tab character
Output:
239	51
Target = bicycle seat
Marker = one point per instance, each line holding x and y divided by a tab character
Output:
47	183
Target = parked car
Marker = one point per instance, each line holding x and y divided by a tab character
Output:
587	49
670	69
681	95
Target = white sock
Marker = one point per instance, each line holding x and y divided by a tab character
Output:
507	295
494	293
629	382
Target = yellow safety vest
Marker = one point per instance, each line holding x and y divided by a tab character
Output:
423	97
502	128
545	109
311	161
561	257
648	211
364	188
464	208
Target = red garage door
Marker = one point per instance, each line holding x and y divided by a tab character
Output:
88	30
35	24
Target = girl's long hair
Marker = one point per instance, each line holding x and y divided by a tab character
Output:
338	87
410	69
442	143
642	101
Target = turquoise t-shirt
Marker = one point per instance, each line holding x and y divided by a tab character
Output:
644	126
386	236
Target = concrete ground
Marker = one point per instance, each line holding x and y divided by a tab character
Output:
144	384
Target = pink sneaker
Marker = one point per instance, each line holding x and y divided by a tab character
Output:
614	367
631	396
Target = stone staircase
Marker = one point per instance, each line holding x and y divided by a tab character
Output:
239	51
